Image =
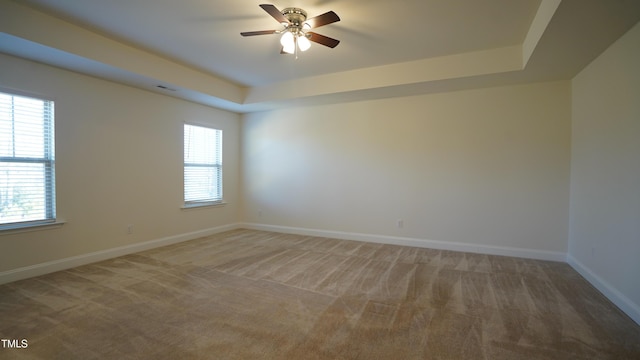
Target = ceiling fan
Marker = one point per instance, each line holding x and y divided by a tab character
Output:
295	34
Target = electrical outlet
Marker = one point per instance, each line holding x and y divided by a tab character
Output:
400	223
130	229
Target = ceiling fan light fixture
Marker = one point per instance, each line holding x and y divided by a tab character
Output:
294	35
303	43
289	50
288	42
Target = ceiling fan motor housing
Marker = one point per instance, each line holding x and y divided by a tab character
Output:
296	17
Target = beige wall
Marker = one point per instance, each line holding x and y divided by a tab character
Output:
487	167
118	162
604	240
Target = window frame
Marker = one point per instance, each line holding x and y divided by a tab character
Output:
219	165
48	161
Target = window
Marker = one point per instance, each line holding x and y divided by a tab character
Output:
202	166
27	166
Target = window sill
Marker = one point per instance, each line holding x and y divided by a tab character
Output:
27	227
203	205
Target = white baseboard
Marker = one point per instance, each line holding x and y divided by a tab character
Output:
406	241
66	263
616	297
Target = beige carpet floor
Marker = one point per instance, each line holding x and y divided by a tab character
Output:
249	294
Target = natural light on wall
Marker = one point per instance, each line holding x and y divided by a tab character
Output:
27	167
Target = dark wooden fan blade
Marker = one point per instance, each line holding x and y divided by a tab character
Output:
254	33
275	13
324	40
324	19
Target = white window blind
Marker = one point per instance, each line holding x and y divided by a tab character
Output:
27	165
202	165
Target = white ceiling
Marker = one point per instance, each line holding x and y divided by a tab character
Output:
388	48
